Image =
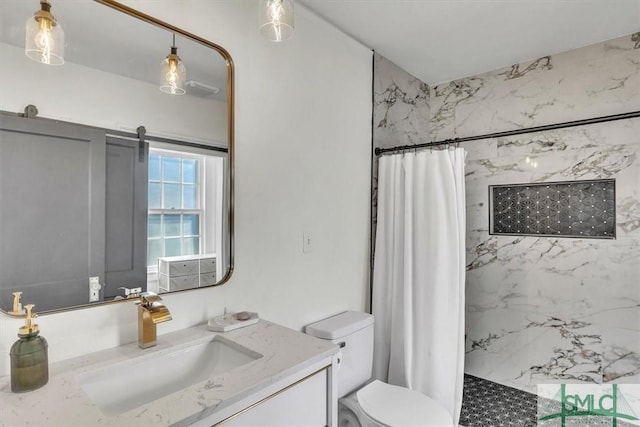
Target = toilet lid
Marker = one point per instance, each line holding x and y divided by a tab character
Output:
399	406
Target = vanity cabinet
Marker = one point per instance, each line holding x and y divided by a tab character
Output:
305	398
303	403
186	272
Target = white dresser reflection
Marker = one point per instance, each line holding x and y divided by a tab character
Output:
186	272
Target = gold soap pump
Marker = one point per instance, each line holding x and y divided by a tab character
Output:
29	358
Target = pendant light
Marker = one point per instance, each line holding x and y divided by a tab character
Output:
44	40
276	19
173	72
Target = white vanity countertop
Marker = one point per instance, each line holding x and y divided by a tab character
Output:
62	402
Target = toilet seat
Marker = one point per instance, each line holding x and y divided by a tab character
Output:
398	406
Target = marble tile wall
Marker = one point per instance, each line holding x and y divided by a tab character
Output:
401	106
546	310
400	114
539	310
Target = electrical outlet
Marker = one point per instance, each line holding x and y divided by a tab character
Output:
94	289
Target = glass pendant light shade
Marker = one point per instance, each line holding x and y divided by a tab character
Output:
276	19
44	40
173	74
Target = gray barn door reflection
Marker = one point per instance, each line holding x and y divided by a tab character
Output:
52	209
126	216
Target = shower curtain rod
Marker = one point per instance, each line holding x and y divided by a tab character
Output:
594	120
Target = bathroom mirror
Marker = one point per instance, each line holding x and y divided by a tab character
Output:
109	185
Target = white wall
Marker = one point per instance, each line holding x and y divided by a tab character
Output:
84	95
303	140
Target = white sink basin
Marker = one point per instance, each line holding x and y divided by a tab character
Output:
126	385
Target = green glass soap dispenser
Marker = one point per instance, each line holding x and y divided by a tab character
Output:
29	359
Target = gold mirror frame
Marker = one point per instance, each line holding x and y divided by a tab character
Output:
230	109
230	138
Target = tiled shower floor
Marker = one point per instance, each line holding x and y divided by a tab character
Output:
488	404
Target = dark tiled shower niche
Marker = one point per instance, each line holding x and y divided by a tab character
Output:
582	209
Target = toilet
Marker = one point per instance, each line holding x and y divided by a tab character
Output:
365	403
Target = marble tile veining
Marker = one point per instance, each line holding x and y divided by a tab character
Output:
543	309
589	82
401	106
401	112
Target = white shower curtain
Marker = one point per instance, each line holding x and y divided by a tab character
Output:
419	274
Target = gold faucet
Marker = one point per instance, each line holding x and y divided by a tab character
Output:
150	312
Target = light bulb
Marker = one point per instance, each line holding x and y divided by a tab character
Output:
44	39
276	19
173	74
276	12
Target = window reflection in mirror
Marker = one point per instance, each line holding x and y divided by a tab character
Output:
185	214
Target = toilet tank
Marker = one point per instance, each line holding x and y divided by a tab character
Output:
353	332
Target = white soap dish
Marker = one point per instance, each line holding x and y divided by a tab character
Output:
229	322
